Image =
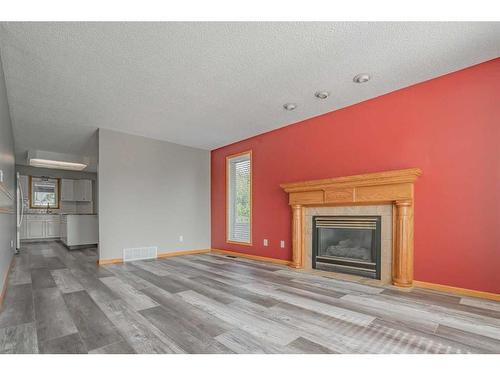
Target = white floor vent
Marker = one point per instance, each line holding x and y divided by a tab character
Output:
138	253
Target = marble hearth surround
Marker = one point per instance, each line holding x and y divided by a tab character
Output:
394	188
385	213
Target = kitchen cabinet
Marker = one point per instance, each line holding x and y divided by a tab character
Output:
67	190
76	190
52	229
40	227
78	230
36	228
83	190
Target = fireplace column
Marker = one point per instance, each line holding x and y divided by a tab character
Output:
402	266
298	236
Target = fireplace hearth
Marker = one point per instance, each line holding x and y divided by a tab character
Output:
348	244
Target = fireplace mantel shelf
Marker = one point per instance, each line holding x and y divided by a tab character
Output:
395	187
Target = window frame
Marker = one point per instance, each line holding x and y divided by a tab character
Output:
58	195
228	197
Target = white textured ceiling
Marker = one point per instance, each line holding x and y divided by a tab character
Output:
210	84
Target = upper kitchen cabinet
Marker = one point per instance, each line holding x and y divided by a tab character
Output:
67	190
83	190
76	190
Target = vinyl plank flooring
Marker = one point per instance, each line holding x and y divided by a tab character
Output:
236	292
243	261
302	345
95	329
258	326
187	335
480	325
139	333
326	282
54	263
242	342
48	252
475	302
177	306
21	273
20	339
41	278
326	309
61	301
136	299
328	332
153	267
18	306
65	281
191	271
70	344
166	284
481	343
178	283
51	315
238	277
37	260
97	290
125	273
120	347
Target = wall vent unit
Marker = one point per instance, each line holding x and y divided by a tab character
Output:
139	253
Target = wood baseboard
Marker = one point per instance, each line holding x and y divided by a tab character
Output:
5	283
160	255
102	262
253	257
456	290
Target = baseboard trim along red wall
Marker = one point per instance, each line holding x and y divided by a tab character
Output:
448	126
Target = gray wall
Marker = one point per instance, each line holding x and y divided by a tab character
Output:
7	221
150	193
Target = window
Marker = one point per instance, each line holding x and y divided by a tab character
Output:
239	198
44	192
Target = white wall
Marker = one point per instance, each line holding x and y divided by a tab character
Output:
7	221
150	193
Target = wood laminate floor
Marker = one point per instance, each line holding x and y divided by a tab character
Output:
60	301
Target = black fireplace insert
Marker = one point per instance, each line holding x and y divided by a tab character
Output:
348	244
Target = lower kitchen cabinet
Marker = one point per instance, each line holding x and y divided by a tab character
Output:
52	228
36	228
40	227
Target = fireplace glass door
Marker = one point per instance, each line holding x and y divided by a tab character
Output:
349	244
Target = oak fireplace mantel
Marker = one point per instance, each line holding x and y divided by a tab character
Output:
394	187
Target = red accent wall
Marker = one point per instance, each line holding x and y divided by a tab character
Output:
449	127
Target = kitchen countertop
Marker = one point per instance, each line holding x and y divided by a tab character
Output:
41	213
51	214
78	214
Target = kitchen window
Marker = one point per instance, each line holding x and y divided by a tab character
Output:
44	192
239	198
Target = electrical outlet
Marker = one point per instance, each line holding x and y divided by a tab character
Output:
181	238
266	242
282	244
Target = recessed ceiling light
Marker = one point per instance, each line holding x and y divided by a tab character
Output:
322	94
290	106
361	78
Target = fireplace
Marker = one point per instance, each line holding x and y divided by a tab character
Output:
348	244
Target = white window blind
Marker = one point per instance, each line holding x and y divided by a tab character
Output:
239	198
